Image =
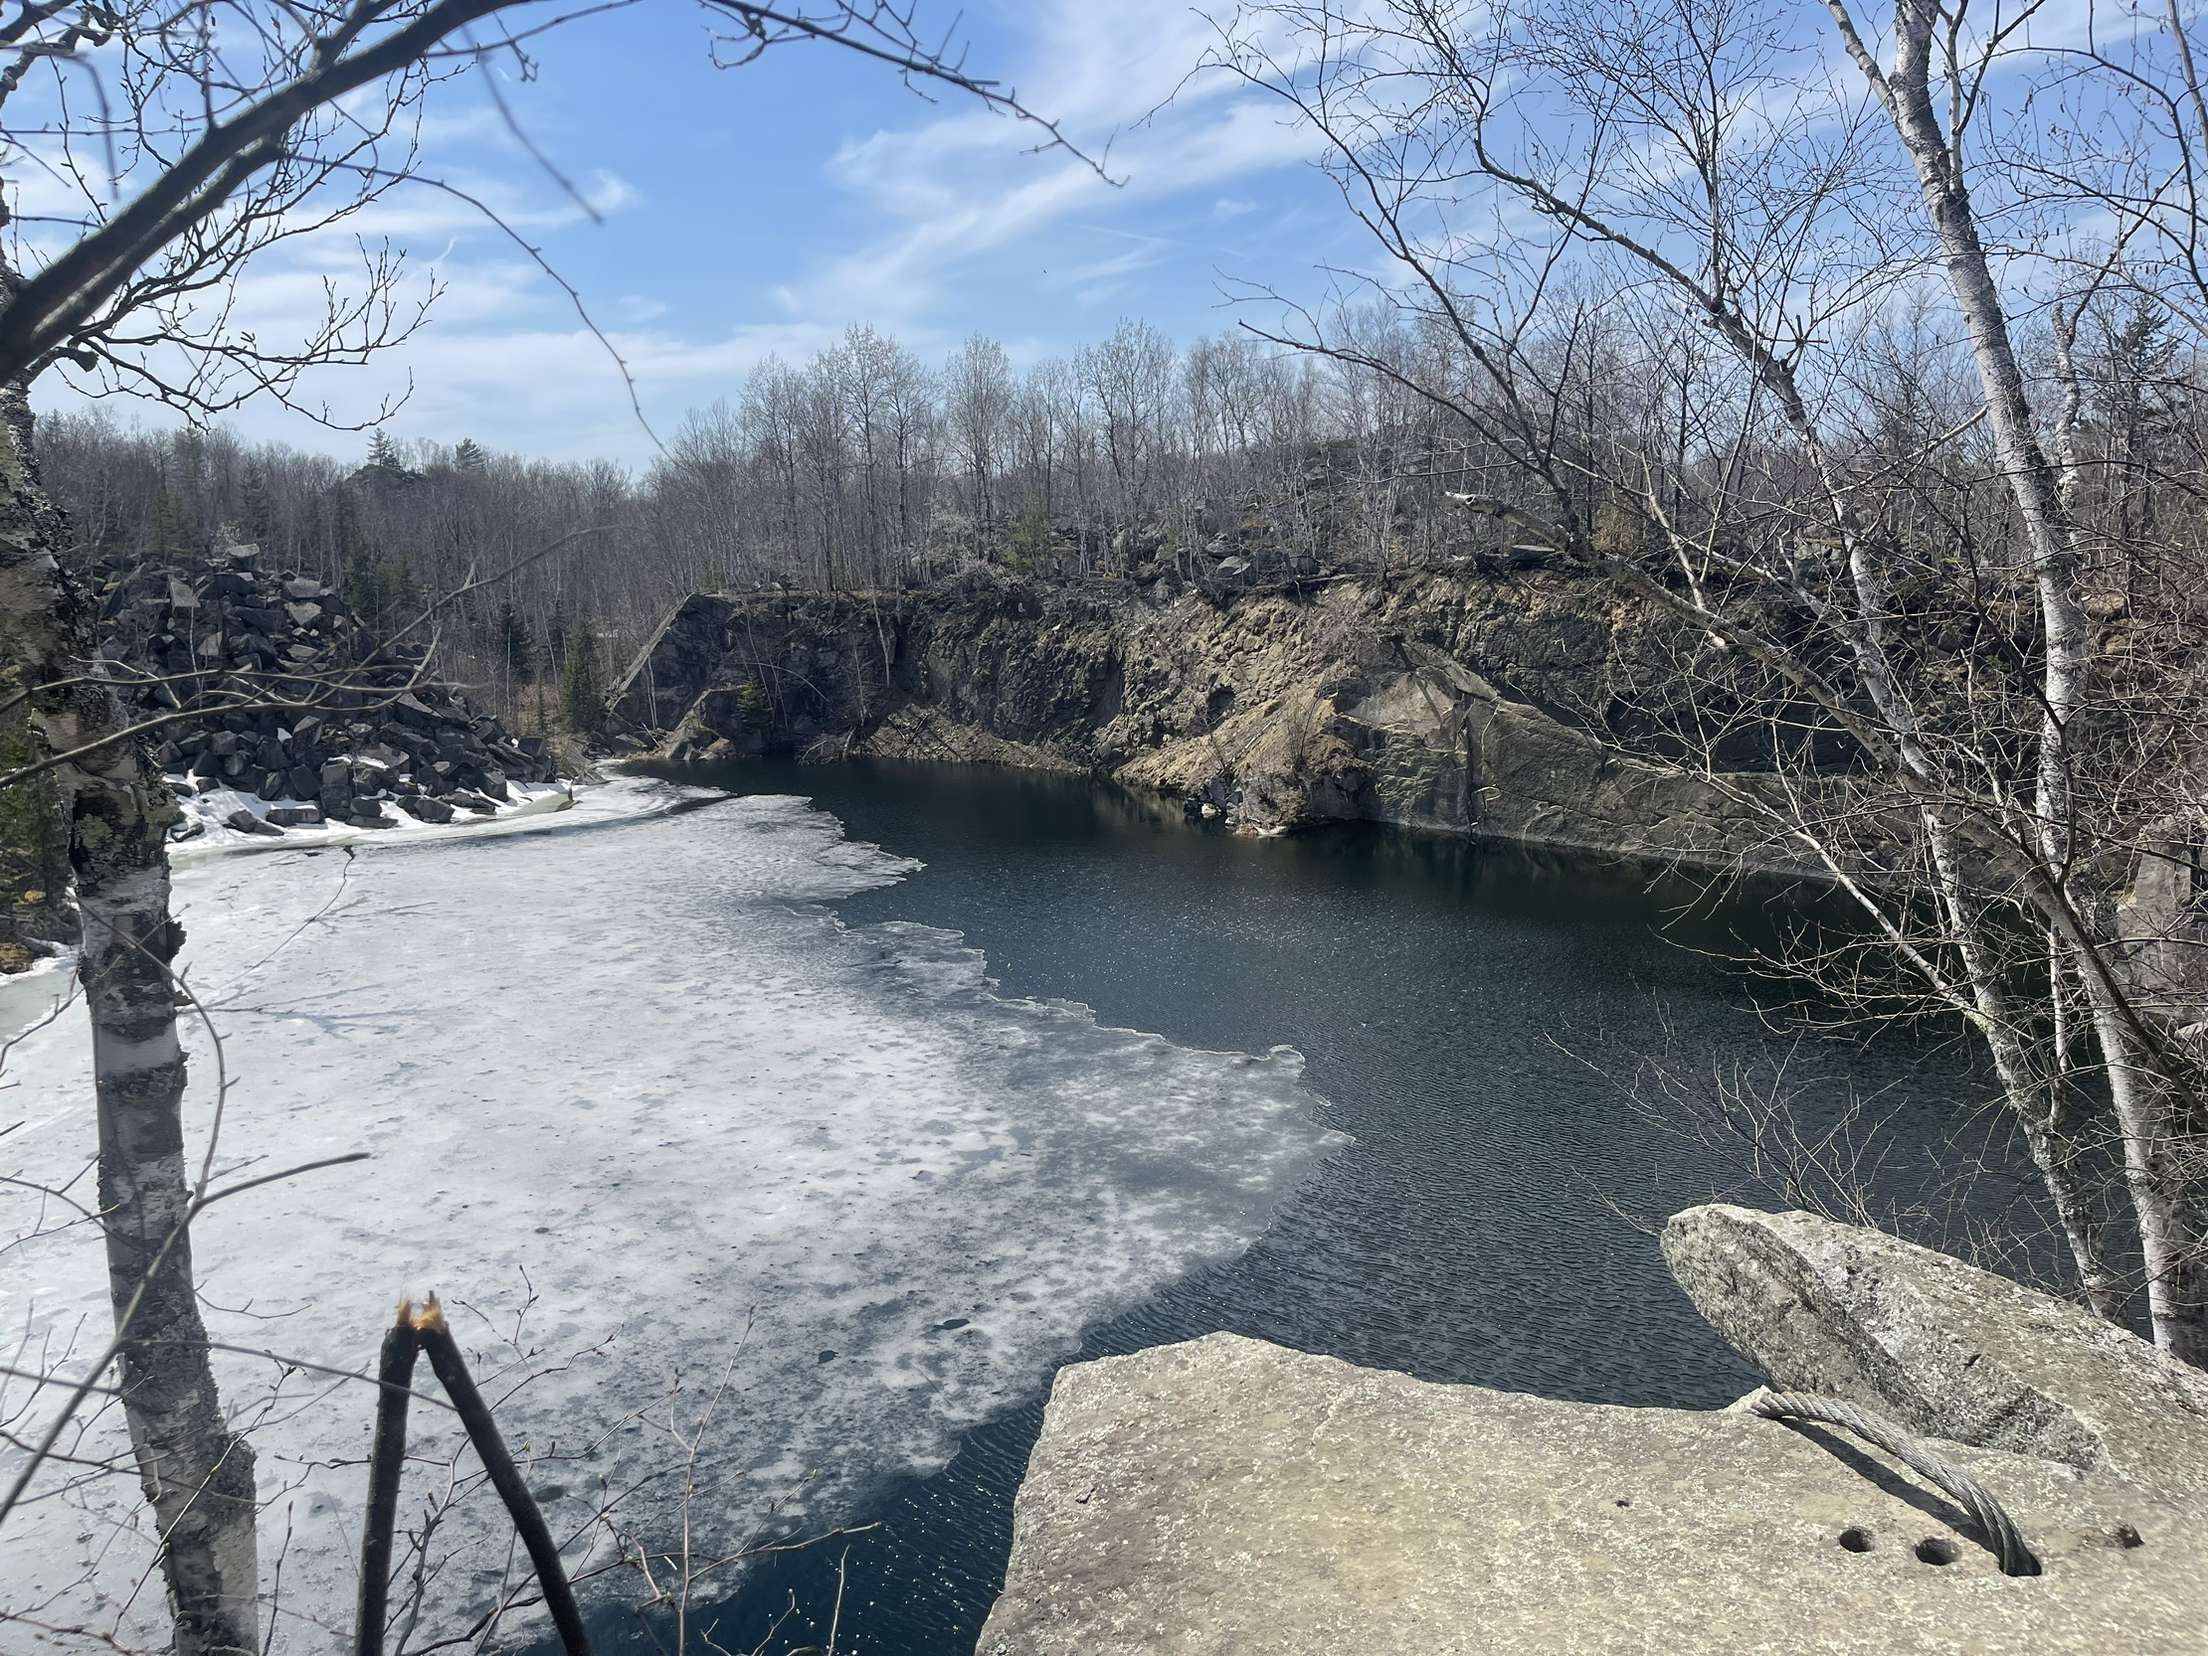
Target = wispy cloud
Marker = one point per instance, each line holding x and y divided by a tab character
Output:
962	188
955	213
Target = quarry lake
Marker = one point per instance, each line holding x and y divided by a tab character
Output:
822	1134
1477	1019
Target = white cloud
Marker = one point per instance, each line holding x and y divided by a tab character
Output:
961	186
1099	270
954	194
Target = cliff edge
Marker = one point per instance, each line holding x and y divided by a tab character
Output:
1521	706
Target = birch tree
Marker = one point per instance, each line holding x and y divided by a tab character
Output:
1756	199
183	156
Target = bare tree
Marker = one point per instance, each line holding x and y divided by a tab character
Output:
978	393
180	154
1881	586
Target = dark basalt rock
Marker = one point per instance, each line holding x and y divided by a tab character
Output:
224	630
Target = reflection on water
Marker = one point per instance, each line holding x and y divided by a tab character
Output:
1472	1015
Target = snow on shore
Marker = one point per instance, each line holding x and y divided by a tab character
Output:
622	1077
207	814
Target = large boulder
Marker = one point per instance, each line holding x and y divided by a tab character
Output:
1941	1346
1226	1495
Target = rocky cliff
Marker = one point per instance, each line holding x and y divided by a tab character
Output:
1522	705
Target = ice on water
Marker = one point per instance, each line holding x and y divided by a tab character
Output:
624	1079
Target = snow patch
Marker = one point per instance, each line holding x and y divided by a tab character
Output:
627	1087
206	820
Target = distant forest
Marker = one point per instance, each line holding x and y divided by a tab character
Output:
861	468
865	468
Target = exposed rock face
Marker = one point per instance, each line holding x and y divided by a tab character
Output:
1229	1496
35	913
1946	1349
1467	702
369	735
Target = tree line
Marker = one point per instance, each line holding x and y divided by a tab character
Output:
861	467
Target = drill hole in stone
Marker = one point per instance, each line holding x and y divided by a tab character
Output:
1856	1539
1937	1549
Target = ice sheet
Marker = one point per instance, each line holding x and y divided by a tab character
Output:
630	1058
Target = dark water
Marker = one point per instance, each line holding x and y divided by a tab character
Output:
1470	1014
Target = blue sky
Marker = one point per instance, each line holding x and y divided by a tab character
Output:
762	209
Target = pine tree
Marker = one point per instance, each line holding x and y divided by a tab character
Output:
1030	534
384	468
166	534
191	486
515	644
580	696
404	592
368	586
256	511
469	456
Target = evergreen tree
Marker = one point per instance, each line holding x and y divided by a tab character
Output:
368	586
190	486
469	456
403	593
514	642
256	510
166	535
384	468
581	697
1030	534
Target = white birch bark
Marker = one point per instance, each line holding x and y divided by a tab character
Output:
2142	1094
197	1475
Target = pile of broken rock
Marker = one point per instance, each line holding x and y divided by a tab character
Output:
295	702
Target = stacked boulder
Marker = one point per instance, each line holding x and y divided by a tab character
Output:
293	699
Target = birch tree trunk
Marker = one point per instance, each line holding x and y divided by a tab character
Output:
197	1476
2036	1102
2144	1097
